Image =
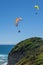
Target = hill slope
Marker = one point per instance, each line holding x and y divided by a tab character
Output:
27	52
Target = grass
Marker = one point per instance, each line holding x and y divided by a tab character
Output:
33	49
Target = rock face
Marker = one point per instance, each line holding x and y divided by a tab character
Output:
27	52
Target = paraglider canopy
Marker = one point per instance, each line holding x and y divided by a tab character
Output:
36	7
17	20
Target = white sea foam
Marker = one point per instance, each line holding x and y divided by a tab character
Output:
4	63
3	59
3	55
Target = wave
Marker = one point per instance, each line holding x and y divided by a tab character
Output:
3	59
5	63
3	55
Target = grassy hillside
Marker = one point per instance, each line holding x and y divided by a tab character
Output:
29	52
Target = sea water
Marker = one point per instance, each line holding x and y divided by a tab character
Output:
3	59
4	51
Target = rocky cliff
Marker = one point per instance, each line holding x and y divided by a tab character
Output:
27	52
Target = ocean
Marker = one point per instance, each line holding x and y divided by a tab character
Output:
4	51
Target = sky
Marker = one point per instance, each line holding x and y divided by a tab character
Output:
30	26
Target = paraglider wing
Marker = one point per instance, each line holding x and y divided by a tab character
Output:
17	20
36	7
20	18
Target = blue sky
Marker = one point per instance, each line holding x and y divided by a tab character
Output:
30	26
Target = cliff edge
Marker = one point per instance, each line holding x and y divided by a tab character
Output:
27	52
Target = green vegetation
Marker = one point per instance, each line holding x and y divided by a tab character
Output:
33	50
